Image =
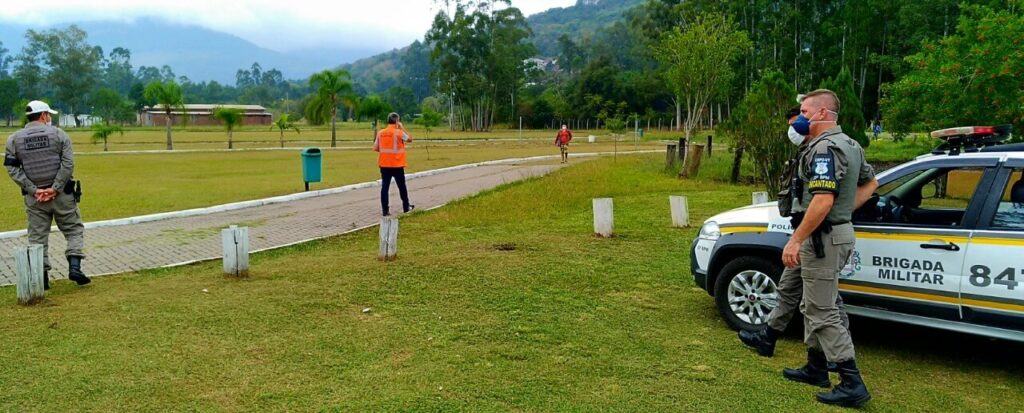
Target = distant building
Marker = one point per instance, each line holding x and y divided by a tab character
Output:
202	115
544	65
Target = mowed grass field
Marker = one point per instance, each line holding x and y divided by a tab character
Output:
500	302
348	134
123	185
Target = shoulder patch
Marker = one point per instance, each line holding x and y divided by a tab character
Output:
823	174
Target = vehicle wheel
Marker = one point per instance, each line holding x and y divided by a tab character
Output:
745	291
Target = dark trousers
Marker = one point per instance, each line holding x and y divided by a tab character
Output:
386	174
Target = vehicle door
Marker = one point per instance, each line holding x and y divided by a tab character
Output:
909	255
992	293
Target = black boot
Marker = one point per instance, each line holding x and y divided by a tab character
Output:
762	340
408	208
850	391
75	271
46	280
813	373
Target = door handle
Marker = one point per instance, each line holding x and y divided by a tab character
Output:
948	247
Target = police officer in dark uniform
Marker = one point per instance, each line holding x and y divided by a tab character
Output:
40	160
832	180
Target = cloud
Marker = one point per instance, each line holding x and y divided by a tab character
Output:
274	24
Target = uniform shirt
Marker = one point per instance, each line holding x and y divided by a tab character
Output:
833	163
39	156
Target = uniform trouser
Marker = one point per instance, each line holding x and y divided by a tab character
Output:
791	292
823	325
62	209
386	174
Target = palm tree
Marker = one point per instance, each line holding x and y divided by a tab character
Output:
375	109
231	118
167	95
282	123
101	132
331	87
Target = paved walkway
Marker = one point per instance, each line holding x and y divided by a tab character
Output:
125	248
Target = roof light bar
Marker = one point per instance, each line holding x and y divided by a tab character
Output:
964	131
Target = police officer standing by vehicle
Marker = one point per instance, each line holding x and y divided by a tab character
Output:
790	287
832	176
40	160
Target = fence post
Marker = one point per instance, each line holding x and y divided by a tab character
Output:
759	197
388	239
670	155
28	263
680	211
235	242
604	219
709	146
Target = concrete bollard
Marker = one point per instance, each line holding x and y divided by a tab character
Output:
604	219
235	241
28	262
388	239
759	197
680	211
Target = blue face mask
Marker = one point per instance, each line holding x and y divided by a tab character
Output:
802	125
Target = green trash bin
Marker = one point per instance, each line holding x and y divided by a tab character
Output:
311	165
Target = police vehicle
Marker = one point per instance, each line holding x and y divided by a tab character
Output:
940	245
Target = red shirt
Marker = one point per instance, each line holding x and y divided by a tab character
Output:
564	136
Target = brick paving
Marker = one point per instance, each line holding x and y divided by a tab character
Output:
126	248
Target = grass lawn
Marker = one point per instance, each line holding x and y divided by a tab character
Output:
349	134
122	185
563	321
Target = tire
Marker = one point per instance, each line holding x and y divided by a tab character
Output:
745	304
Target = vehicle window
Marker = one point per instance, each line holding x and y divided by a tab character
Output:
951	190
935	197
1010	214
889	187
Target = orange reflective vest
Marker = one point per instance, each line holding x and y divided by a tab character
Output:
391	145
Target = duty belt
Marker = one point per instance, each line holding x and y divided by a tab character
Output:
824	228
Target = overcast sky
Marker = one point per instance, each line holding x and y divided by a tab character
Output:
275	24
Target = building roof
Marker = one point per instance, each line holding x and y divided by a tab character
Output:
203	108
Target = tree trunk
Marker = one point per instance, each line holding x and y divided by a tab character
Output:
334	125
231	143
679	113
737	160
170	143
282	138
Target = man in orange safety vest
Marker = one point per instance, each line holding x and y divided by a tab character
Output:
390	143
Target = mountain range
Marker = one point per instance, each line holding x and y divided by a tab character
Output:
377	73
198	53
202	54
